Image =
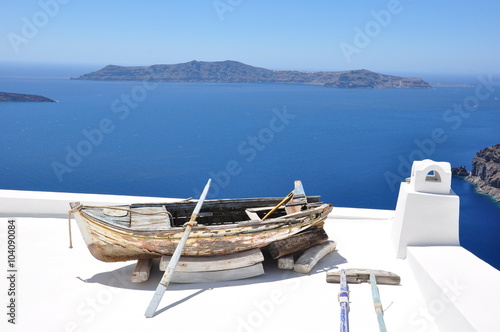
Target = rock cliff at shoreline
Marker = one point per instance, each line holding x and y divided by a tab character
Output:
237	72
485	172
459	171
8	96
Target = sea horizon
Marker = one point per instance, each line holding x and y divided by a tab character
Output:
27	70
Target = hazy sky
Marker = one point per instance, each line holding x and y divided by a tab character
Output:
449	36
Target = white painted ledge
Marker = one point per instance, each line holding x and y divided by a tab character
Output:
462	292
43	204
357	213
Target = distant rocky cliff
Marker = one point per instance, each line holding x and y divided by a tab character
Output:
485	172
365	79
8	96
237	72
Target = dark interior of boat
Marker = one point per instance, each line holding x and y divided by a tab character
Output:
225	211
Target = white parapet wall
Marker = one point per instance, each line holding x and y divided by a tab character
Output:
427	211
456	285
460	289
20	203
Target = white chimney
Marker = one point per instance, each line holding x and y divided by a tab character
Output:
427	211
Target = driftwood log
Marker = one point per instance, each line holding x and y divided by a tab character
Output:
311	257
301	241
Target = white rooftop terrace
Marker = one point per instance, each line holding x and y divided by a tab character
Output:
443	286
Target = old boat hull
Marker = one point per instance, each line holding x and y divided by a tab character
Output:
142	231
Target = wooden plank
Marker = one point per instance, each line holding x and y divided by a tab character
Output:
142	270
215	263
308	260
301	241
357	276
252	214
286	262
299	199
154	217
213	276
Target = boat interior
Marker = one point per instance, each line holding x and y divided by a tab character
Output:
226	211
213	212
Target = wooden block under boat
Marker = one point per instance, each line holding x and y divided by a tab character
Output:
301	241
215	263
213	276
142	270
310	258
286	262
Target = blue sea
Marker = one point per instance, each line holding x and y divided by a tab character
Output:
352	147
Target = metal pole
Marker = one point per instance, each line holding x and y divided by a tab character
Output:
344	303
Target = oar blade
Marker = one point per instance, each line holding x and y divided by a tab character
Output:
155	301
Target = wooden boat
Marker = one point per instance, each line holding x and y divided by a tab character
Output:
224	226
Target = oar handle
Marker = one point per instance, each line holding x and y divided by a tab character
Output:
197	208
202	197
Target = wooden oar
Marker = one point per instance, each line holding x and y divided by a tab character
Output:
165	280
283	201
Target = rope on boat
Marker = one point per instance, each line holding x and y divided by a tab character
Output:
69	229
70	212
